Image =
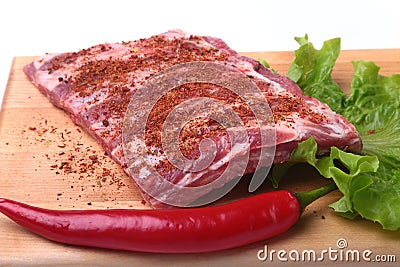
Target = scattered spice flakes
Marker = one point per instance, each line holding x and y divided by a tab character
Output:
316	215
93	158
106	172
105	123
72	161
89	168
53	129
66	167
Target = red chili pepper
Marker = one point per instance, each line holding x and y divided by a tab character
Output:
188	230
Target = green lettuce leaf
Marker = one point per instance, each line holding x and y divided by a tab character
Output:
346	175
373	107
311	70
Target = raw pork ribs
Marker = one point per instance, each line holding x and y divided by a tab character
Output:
95	86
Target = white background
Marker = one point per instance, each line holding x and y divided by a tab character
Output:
34	27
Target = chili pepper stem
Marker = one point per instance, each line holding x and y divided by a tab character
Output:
306	198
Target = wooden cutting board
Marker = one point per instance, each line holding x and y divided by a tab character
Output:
46	160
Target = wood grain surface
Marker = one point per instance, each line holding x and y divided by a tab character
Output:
46	160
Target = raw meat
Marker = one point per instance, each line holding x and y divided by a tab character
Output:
95	86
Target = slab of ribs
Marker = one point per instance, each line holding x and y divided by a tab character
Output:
95	87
